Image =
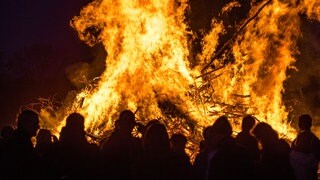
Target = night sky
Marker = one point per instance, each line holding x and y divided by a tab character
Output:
37	45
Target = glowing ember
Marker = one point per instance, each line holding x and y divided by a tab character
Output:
148	65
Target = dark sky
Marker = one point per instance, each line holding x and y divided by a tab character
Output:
24	23
36	46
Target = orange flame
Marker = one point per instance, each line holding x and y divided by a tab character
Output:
147	46
147	50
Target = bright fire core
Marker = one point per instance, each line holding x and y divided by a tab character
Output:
148	66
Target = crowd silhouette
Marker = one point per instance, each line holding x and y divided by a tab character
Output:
256	152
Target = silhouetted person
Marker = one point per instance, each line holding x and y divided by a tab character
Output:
144	129
76	157
7	132
151	122
230	161
45	149
20	159
158	161
121	150
305	154
178	144
274	161
201	163
246	140
44	141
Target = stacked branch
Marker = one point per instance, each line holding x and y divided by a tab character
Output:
226	45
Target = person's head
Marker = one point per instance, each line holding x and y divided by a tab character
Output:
75	120
207	135
265	133
247	123
305	122
28	121
7	132
156	139
222	126
178	142
151	122
126	121
206	132
74	127
44	137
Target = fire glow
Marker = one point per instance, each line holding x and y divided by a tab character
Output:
148	62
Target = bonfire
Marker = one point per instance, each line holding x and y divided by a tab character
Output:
154	69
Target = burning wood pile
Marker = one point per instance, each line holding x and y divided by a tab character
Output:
171	68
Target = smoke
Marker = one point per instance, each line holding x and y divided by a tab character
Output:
82	74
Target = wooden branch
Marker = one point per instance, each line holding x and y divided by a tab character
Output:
226	44
241	96
202	75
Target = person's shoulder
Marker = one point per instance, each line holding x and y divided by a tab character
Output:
314	136
115	136
282	146
243	135
316	141
306	136
18	136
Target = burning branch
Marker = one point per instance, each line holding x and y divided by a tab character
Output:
229	42
202	75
